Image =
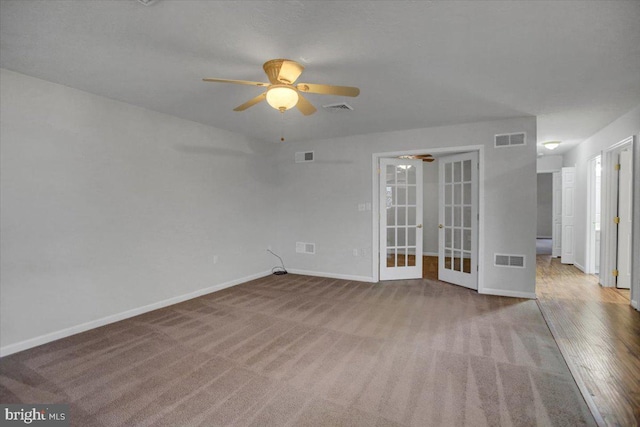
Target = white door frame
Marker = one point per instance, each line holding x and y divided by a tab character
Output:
608	236
568	254
589	265
625	214
375	220
556	204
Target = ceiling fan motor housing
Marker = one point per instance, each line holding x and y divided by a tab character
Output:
272	69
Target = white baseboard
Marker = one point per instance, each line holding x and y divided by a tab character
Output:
507	293
579	267
332	275
52	336
430	253
634	304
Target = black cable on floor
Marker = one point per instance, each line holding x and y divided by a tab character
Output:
278	271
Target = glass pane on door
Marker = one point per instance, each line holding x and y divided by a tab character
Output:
457	214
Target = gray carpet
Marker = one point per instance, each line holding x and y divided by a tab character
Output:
302	351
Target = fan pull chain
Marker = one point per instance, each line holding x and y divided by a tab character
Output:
282	128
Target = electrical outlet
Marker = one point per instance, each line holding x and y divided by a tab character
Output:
363	252
368	206
361	207
269	248
215	259
355	252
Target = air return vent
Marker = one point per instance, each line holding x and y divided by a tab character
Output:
341	106
305	248
510	139
304	156
516	261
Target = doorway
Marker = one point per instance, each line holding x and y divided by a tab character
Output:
617	215
451	189
544	235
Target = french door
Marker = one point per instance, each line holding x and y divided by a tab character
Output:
401	236
458	214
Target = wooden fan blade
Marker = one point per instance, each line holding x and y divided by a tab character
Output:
305	106
251	102
328	89
428	159
290	71
240	82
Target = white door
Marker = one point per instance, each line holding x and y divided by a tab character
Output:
568	215
625	189
458	216
556	232
401	189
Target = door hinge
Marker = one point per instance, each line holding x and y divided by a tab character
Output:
617	167
615	273
616	220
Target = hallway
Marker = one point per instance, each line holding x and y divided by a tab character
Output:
598	333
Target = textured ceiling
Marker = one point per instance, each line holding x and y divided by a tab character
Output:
573	64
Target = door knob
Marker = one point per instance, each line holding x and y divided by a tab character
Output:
440	226
419	226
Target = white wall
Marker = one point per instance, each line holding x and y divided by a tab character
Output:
107	207
320	199
549	164
109	210
430	202
545	205
624	127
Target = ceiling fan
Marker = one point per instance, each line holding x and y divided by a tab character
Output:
424	157
281	92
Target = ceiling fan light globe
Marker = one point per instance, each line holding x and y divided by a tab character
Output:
551	145
282	97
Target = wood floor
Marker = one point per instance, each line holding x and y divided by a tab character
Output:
599	332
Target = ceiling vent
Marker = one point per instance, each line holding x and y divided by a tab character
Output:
510	139
304	156
147	2
341	106
502	260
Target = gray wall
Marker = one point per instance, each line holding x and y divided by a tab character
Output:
549	163
624	127
320	199
107	207
545	205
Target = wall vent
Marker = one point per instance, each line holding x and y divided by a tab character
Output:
304	156
341	106
510	139
305	248
502	260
